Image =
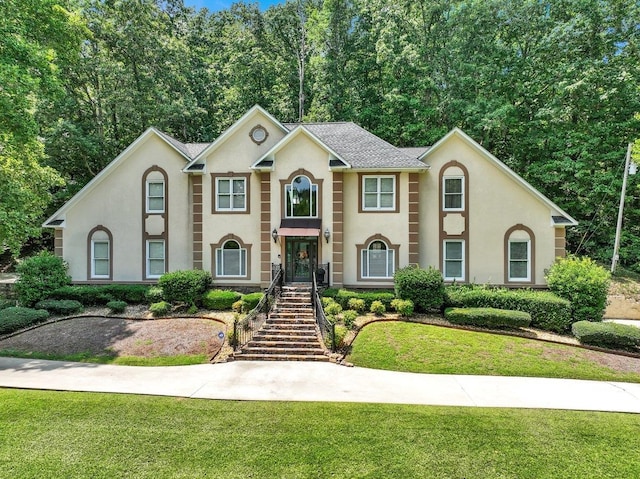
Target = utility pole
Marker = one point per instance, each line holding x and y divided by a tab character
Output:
616	245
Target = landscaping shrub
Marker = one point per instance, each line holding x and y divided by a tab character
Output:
237	306
340	334
344	296
16	317
117	306
488	317
378	308
160	309
330	292
6	303
548	311
60	306
220	299
349	318
40	275
607	335
584	283
425	287
251	300
100	295
404	307
333	309
327	301
153	295
357	304
185	286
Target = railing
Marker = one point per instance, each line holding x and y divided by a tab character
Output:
245	328
327	328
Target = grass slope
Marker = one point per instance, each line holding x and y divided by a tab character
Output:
402	346
82	435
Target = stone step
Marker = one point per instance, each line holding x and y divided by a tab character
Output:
283	351
284	335
281	344
287	319
280	357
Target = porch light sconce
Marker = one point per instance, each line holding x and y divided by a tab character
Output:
274	235
327	234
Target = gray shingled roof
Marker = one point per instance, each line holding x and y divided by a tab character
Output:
415	151
360	148
190	150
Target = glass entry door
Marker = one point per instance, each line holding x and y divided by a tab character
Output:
300	258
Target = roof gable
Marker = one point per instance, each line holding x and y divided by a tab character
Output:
458	133
54	220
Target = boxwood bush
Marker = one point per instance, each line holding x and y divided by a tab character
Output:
117	306
16	317
425	287
60	306
100	295
343	297
220	299
488	317
40	275
251	300
607	335
584	283
160	308
404	307
185	286
548	311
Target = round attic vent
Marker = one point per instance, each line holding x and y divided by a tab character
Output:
258	134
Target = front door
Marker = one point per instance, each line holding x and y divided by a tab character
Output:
301	255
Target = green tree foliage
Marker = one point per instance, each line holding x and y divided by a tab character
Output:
40	275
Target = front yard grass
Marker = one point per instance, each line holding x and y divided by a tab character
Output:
412	347
176	360
89	435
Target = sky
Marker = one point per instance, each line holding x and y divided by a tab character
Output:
215	5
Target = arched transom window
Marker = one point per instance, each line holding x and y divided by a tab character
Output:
301	198
378	260
231	259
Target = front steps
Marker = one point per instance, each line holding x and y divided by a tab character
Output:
289	334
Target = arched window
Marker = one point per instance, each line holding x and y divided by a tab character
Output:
100	252
301	198
519	254
378	260
231	260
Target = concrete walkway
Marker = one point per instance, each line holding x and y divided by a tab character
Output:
305	381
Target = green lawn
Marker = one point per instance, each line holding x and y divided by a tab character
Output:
78	435
403	346
176	360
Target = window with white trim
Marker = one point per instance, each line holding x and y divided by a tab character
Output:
301	197
453	258
231	194
156	266
519	260
378	193
378	260
100	260
231	260
155	196
453	193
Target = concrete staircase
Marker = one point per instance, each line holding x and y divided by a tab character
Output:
289	334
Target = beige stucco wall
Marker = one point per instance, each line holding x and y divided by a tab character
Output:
496	203
116	202
236	154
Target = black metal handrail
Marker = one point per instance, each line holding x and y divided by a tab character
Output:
245	328
327	328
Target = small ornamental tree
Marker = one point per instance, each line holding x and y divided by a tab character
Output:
39	276
425	287
582	282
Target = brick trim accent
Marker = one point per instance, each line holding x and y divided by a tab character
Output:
561	242
337	235
414	218
196	213
58	243
265	227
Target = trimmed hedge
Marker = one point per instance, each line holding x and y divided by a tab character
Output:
153	295
38	276
60	306
425	287
548	311
6	303
220	299
343	296
15	318
100	295
488	317
251	300
117	306
185	286
607	335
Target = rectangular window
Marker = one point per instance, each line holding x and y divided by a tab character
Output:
155	258
231	262
453	192
453	260
519	269
379	193
155	196
100	259
231	194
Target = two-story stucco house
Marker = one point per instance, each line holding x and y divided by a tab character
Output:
266	193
